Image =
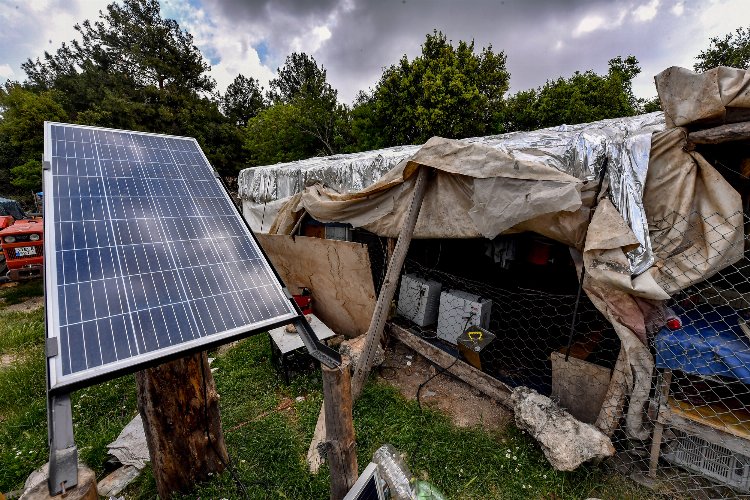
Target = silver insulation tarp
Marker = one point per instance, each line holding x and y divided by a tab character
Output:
344	173
578	150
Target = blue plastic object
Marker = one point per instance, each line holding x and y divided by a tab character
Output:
710	342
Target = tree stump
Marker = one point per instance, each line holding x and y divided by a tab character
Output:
84	490
177	409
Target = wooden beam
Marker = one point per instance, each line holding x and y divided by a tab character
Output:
723	133
341	445
388	290
487	384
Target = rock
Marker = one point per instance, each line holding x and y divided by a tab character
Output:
566	442
353	348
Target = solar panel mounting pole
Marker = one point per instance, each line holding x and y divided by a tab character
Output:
63	453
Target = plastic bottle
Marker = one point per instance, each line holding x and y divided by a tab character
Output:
395	472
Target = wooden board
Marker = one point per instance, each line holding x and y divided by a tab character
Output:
487	384
734	422
337	273
579	386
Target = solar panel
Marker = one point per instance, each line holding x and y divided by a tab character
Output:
145	254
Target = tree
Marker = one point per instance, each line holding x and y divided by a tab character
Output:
584	97
733	50
300	76
448	90
304	119
134	42
133	69
22	136
242	100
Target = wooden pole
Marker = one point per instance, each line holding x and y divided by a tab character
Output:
379	316
178	403
388	290
341	444
718	135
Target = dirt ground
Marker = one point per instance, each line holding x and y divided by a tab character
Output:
29	305
466	406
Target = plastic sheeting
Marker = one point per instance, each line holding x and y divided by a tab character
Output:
577	150
344	173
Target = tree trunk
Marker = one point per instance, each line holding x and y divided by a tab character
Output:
176	416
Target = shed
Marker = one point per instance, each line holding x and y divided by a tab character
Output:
666	236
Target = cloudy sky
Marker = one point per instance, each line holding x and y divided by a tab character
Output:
355	39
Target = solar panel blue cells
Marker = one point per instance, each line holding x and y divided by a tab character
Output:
145	254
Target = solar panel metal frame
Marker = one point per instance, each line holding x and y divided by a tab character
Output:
58	383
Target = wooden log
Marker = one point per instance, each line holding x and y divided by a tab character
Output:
341	445
484	383
84	490
388	290
379	316
179	406
723	133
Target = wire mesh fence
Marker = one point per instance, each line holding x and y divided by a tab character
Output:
695	439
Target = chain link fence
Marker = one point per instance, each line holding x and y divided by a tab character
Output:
510	313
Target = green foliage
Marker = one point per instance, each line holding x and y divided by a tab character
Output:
733	50
300	76
448	90
22	136
584	97
242	100
135	70
304	120
133	43
650	105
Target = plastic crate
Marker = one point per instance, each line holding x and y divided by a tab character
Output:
711	460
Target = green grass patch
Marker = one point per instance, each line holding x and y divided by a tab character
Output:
24	290
267	432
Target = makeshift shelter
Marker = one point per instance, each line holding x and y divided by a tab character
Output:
666	221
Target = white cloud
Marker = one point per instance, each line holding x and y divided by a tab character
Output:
39	25
222	42
678	9
588	24
6	71
646	12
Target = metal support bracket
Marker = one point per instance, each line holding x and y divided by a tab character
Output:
50	347
314	346
63	453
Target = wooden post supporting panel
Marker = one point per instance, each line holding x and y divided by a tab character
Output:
341	451
178	403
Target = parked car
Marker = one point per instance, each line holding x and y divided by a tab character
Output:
22	242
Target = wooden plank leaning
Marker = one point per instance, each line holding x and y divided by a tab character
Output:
380	315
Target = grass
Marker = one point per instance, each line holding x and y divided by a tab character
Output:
267	432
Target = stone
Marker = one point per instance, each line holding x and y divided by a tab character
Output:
566	442
354	347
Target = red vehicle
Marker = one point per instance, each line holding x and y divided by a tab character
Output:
22	242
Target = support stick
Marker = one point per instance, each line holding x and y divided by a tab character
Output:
341	444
